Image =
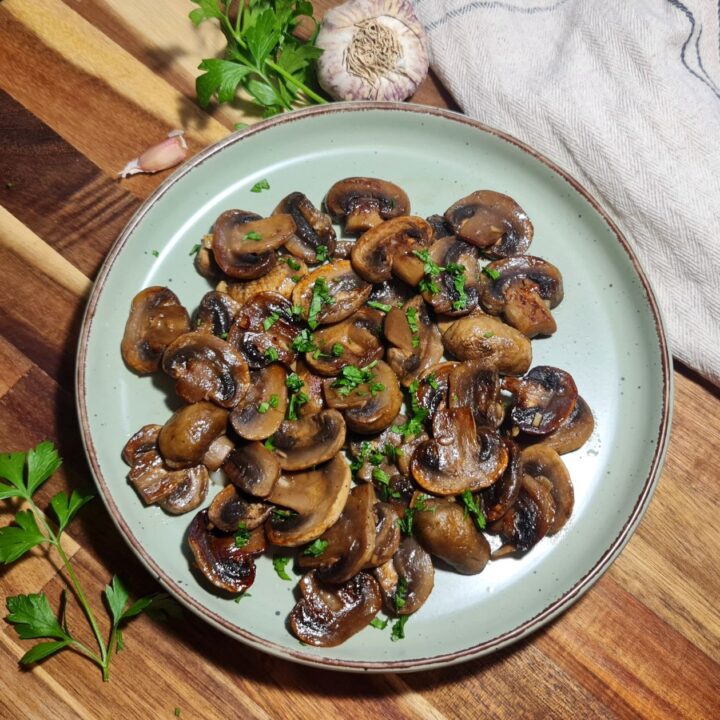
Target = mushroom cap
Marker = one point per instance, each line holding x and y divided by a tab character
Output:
243	242
543	463
253	469
229	511
327	615
347	290
205	367
359	336
279	279
499	497
392	292
218	558
432	393
571	434
313	389
189	491
440	226
447	531
247	419
317	497
156	319
313	228
544	399
372	406
460	456
205	260
387	249
491	221
190	431
216	313
471	384
413	565
311	440
486	338
350	540
365	202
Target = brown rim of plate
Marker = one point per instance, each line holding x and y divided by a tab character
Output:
427	663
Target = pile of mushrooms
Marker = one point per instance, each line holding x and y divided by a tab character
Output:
368	400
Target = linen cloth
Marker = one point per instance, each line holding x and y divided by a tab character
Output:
625	96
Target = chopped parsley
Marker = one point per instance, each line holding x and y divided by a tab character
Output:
411	315
252	235
223	335
296	311
351	377
321	254
263	407
271	354
296	278
316	548
337	350
293	382
320	296
241	596
492	273
292	263
401	592
432	271
405	523
489	334
156	253
383	480
281	514
280	562
379	306
457	273
242	535
195	249
269	444
431	380
472	508
398	628
304	342
414	426
260	186
379	624
269	321
297	400
375	388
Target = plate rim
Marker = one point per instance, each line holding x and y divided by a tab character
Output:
554	608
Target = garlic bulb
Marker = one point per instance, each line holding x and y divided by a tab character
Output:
373	50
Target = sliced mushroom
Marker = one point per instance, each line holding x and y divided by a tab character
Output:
440	226
317	498
218	558
572	433
350	540
416	577
327	615
205	261
312	388
387	249
189	492
346	292
416	340
310	440
471	385
260	413
523	290
357	335
143	441
544	464
491	221
217	453
313	229
387	534
216	313
372	406
487	339
264	330
190	431
230	511
205	367
456	290
460	456
448	532
501	496
156	319
365	202
544	399
253	469
243	242
282	279
432	392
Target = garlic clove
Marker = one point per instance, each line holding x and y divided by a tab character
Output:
373	50
166	154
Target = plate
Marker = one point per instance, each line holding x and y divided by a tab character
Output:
610	337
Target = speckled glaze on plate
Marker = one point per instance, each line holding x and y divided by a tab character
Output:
610	337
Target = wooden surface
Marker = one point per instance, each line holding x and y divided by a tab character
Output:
84	86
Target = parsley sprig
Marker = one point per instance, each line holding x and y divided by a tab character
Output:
263	56
472	508
21	475
320	296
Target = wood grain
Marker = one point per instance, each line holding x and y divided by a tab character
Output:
84	86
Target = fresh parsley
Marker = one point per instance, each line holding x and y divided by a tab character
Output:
398	628
252	235
431	380
263	407
401	593
337	350
293	382
195	249
379	306
351	377
316	548
492	273
242	535
291	262
242	596
432	271
155	253
280	562
272	354
270	320
304	342
457	274
379	624
322	253
415	425
269	444
260	185
320	296
411	315
472	508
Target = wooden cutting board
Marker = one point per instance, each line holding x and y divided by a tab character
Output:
84	86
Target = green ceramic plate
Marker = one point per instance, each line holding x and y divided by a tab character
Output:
610	337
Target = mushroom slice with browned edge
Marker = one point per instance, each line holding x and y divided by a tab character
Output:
493	222
217	453
230	511
216	313
388	293
327	615
205	262
544	398
446	531
353	341
330	293
416	340
313	229
471	384
253	469
349	542
187	435
523	290
460	456
244	243
415	575
281	279
387	534
388	249
205	367
432	392
364	202
372	405
312	389
440	226
264	330
489	340
260	413
499	497
545	465
571	434
218	557
156	319
316	499
310	440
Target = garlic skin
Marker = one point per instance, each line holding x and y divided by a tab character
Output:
166	154
373	50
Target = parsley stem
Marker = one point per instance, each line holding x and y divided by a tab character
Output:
300	86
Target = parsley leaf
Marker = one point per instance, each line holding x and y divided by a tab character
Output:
252	235
66	508
379	306
398	628
472	508
337	350
351	377
272	354
492	273
280	562
321	254
320	296
195	249
379	624
411	315
316	548
16	540
242	535
269	321
304	342
260	185
401	592
293	382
